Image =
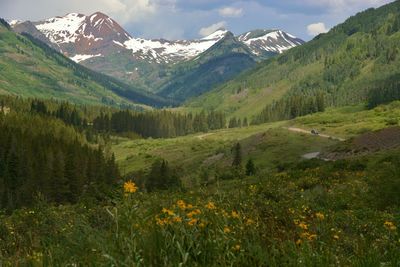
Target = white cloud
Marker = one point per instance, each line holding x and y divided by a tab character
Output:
316	28
230	12
212	28
341	5
122	10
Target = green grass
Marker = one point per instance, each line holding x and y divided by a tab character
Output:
267	144
320	216
305	213
350	121
277	145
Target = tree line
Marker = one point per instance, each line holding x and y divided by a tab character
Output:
159	124
43	158
291	107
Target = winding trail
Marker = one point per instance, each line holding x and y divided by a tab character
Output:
201	137
299	130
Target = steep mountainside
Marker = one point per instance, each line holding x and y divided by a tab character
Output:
353	62
218	64
100	43
29	68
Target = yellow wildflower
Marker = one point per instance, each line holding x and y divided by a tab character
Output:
390	226
192	222
312	237
190	206
169	212
211	206
236	247
336	237
249	222
303	226
181	204
227	230
193	213
320	216
161	222
130	187
197	211
177	219
235	215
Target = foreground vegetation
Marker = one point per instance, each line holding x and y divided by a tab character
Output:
287	211
315	214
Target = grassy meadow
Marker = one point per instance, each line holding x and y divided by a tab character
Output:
293	212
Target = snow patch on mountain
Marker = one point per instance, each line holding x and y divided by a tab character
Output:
164	51
79	58
62	29
14	22
82	37
218	35
275	41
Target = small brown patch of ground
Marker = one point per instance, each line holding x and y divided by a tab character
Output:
367	143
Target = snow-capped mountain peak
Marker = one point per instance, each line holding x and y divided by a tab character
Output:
164	51
62	29
218	34
274	41
82	38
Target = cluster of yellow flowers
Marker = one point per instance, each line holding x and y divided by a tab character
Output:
227	230
235	215
320	216
301	225
390	226
130	187
305	234
211	206
170	216
308	236
195	216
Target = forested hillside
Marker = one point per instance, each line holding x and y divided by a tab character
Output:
42	159
29	68
357	61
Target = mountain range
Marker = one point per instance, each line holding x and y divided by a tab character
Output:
100	43
224	72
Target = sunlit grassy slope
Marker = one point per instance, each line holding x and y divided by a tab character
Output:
268	144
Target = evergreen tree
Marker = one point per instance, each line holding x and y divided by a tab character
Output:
250	168
237	156
161	177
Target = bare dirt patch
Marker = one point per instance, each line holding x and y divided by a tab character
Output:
367	143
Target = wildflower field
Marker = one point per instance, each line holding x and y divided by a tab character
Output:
292	212
323	214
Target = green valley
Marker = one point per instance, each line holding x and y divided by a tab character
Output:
294	162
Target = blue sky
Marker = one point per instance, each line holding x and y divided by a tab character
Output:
178	19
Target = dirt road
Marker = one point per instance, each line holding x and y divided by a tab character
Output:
201	137
299	130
